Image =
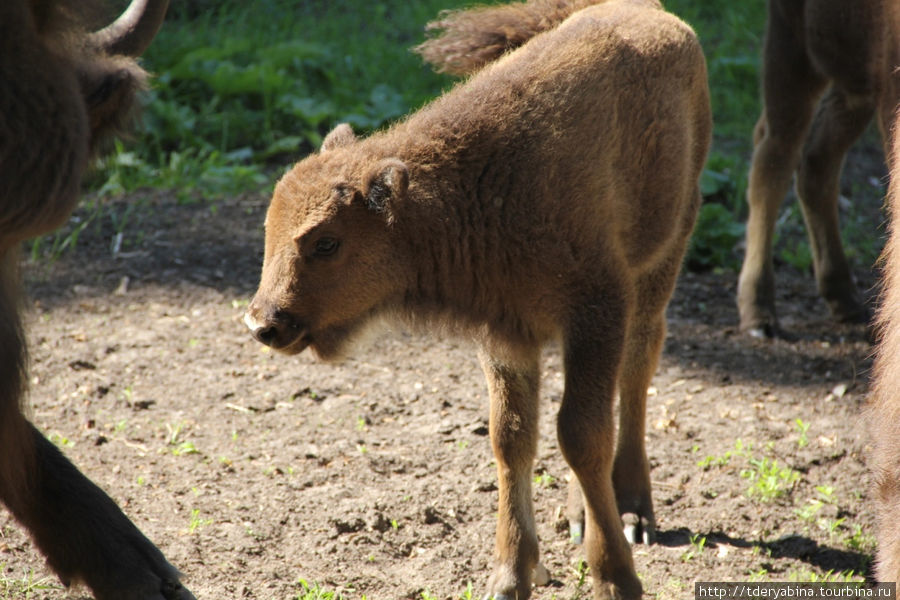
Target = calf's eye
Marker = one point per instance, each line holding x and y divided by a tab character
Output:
326	246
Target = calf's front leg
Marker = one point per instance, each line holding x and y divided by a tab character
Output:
513	387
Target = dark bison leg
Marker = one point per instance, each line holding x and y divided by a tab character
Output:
84	535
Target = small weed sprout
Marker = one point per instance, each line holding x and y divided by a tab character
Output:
802	428
196	522
544	480
61	440
769	480
25	587
740	450
581	571
313	591
180	447
698	542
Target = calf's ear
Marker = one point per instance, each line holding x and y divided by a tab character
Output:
386	182
341	135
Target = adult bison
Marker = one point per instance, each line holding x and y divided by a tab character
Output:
63	91
549	197
849	52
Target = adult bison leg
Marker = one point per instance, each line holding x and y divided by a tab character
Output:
75	524
85	535
791	87
593	347
840	120
513	389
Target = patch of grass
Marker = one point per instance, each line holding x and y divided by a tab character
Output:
698	542
581	570
27	586
313	591
196	522
838	529
60	440
740	449
179	446
244	88
802	428
544	480
769	480
830	576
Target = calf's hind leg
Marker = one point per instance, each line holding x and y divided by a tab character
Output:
631	469
593	350
513	388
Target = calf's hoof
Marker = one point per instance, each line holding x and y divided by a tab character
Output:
639	529
610	591
504	586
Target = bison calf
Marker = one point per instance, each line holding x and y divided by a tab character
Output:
62	91
549	197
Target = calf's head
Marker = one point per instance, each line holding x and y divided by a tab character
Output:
331	260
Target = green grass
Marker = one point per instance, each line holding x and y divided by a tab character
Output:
768	479
243	89
731	34
25	587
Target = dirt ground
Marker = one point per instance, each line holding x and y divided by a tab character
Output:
255	472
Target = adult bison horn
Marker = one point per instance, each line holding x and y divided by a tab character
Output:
133	31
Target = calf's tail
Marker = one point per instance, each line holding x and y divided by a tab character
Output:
463	41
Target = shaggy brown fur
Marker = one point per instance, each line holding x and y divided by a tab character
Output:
885	407
550	197
850	49
61	96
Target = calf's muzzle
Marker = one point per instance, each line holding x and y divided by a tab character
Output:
271	325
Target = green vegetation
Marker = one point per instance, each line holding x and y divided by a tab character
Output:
768	479
196	522
25	587
698	542
244	89
821	511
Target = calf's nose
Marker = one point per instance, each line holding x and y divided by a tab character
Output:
261	332
270	325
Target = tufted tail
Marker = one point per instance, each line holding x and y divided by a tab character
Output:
465	40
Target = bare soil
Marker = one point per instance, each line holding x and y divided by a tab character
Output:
253	471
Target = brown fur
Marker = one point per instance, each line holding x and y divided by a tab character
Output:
549	197
885	403
848	51
61	96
